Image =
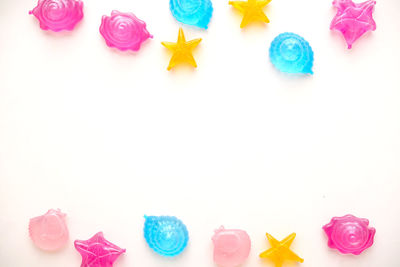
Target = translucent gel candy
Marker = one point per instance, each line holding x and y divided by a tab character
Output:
353	20
280	250
290	53
349	234
231	247
124	31
58	15
97	251
166	235
192	12
49	231
252	10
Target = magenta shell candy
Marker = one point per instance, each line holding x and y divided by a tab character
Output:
231	247
124	31
49	231
58	15
97	251
353	20
349	234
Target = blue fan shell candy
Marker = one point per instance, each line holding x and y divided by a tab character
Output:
290	53
166	235
192	12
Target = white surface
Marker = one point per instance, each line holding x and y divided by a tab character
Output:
109	136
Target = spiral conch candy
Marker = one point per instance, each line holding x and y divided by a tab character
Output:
192	12
349	234
58	15
166	235
124	31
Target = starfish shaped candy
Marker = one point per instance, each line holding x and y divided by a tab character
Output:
182	50
353	20
252	10
97	251
280	251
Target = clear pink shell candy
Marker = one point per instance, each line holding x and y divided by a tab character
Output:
231	247
124	31
49	231
58	15
349	234
353	19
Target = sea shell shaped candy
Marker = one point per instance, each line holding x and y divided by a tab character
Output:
231	247
290	53
166	235
349	234
124	31
49	231
58	15
192	12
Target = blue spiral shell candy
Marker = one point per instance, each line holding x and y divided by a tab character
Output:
192	12
290	53
166	235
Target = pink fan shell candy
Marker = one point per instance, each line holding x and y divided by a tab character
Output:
49	231
231	247
349	234
353	19
124	31
58	15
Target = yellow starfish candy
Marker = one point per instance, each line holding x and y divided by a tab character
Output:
252	10
182	50
280	251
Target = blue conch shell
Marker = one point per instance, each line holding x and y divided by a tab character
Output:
166	235
290	53
192	12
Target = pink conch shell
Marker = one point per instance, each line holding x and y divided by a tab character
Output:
124	31
231	247
49	231
353	20
349	234
58	15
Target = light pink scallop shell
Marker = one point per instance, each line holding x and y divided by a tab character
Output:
49	231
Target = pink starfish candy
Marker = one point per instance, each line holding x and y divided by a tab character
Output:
97	251
353	20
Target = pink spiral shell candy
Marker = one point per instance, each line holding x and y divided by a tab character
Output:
58	15
124	31
349	234
49	231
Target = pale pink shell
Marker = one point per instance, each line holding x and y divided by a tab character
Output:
58	15
231	247
49	231
124	31
349	234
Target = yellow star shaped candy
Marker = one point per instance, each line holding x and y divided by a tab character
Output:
182	50
252	10
280	251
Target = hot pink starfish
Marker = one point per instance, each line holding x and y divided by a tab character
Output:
353	20
97	251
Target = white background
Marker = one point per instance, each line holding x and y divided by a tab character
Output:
108	136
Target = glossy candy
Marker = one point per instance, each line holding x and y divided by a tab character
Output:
252	10
58	15
280	251
231	247
49	231
166	235
290	53
353	20
124	31
97	251
349	234
192	12
182	50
